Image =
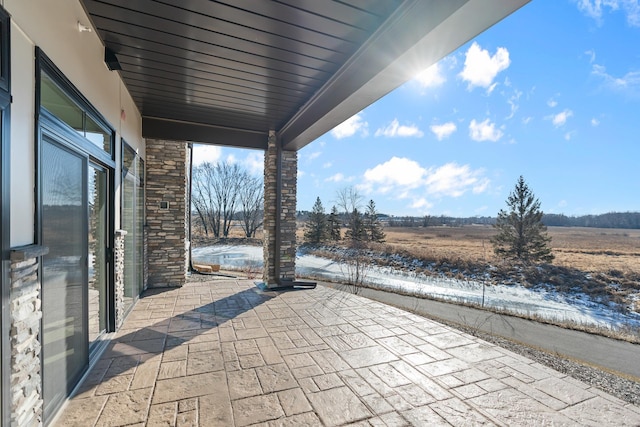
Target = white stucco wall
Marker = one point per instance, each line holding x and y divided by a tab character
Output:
53	26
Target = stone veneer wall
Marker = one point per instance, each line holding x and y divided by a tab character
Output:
26	313
287	213
166	181
145	257
118	261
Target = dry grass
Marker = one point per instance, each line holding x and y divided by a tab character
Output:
594	250
602	263
591	250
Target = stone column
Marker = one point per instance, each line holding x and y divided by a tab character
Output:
280	181
26	345
166	211
118	257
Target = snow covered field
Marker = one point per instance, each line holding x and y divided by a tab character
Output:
578	308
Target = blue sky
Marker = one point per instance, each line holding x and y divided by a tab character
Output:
551	93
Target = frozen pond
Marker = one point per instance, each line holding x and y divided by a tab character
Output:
577	307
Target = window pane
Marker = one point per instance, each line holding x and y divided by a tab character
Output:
128	159
98	223
64	274
98	136
128	224
140	224
59	104
2	43
133	222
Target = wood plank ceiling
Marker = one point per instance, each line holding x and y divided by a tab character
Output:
227	72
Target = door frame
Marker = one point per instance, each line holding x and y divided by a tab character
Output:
49	126
137	177
5	216
50	408
98	346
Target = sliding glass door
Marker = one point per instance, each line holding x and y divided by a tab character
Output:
133	223
75	220
98	247
64	272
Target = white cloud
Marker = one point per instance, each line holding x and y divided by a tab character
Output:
206	153
350	127
480	68
569	135
454	180
431	77
301	173
527	120
327	165
444	130
394	173
407	179
396	130
314	155
595	9
339	177
231	159
595	122
421	203
481	209
552	103
628	84
513	103
592	55
254	162
561	118
484	131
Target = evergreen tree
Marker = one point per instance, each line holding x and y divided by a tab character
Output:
521	234
372	225
334	225
316	226
356	231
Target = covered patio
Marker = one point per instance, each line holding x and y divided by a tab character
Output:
221	352
100	101
272	76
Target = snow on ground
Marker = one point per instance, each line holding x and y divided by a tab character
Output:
578	308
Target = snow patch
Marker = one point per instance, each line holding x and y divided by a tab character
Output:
540	301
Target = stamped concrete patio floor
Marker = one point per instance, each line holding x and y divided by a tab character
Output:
223	353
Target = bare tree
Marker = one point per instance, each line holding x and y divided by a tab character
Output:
251	204
348	200
355	268
202	197
215	192
226	183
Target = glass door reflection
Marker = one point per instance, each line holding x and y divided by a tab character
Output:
98	247
64	272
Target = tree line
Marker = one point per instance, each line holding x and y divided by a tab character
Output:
521	236
361	226
628	220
